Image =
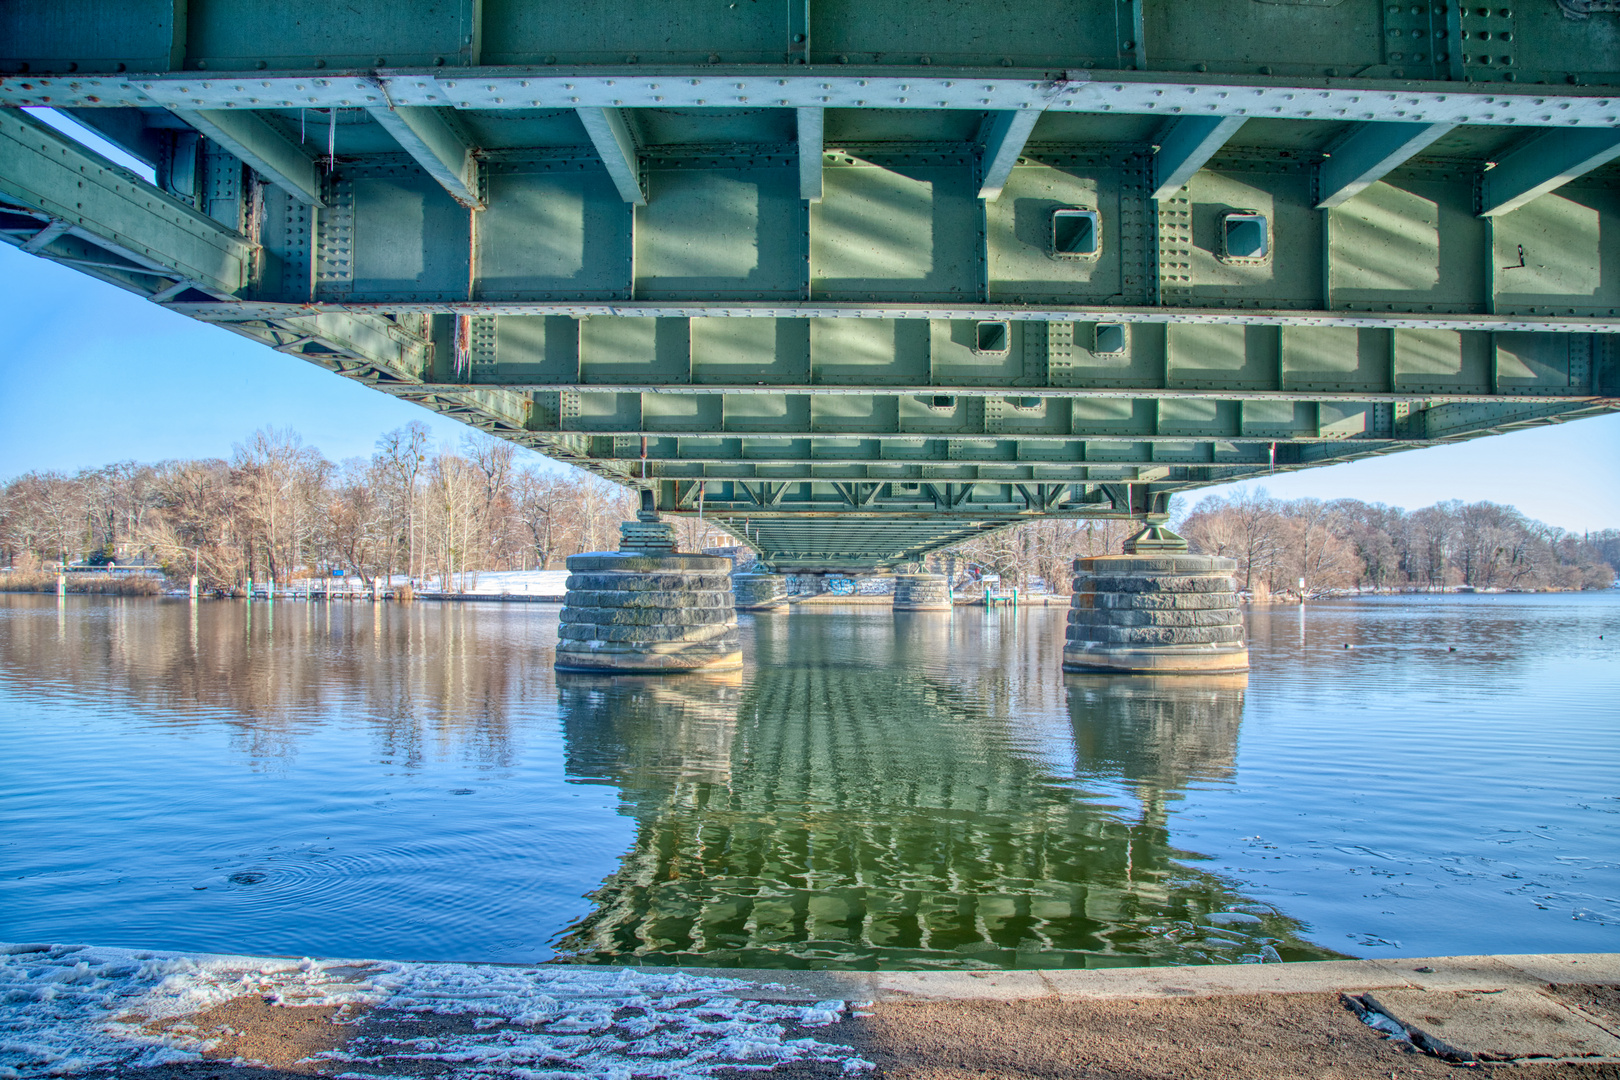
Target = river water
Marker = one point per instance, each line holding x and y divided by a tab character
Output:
1397	777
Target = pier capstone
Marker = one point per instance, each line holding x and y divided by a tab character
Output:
759	591
648	609
1155	610
922	592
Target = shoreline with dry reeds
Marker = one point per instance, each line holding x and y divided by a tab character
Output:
18	581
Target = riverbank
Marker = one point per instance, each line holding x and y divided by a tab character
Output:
99	1012
18	581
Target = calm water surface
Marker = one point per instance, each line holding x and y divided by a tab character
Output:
874	790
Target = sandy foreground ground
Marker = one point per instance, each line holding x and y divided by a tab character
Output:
100	1012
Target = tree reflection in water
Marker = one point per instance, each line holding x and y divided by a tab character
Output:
824	813
418	675
874	790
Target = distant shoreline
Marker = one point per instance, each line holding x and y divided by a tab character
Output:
793	600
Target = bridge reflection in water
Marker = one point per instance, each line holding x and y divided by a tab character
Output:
873	790
857	807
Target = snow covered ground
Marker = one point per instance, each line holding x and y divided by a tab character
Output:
67	1009
517	582
482	583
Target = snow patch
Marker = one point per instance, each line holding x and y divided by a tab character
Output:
67	1009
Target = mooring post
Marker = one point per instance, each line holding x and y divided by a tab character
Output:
192	592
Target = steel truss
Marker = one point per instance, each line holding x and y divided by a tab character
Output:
851	283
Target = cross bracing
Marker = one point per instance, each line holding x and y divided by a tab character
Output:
802	267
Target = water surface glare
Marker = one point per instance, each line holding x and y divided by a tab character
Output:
876	789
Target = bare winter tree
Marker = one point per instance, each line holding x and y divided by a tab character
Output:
1247	526
281	480
194	524
403	455
280	508
1042	551
356	525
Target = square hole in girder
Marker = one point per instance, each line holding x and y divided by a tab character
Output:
1110	339
992	337
939	401
1245	237
1076	233
1024	402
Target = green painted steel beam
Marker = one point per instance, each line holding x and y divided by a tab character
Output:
611	136
810	127
935	366
1543	164
1545	317
1370	153
910	360
918	90
833	461
1077	431
1100	40
760	388
894	472
1009	130
127	221
429	136
383	345
1186	147
260	146
729	237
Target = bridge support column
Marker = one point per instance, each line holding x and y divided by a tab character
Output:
646	609
922	592
759	591
1155	610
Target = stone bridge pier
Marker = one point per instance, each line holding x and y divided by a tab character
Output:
1155	610
646	608
922	592
759	590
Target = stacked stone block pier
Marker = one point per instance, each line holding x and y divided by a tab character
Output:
647	609
759	591
1155	611
922	592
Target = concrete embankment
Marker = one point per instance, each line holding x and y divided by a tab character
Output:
99	1012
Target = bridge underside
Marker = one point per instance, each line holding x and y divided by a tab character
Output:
854	283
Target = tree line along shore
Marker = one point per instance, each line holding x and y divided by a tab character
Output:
1301	548
277	509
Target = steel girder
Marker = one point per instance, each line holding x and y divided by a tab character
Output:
729	235
1526	44
835	279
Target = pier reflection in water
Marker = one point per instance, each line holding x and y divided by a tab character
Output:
413	781
854	804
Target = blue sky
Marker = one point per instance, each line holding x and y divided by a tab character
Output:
93	374
90	374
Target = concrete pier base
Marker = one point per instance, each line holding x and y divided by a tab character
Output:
922	592
1157	611
759	592
646	609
